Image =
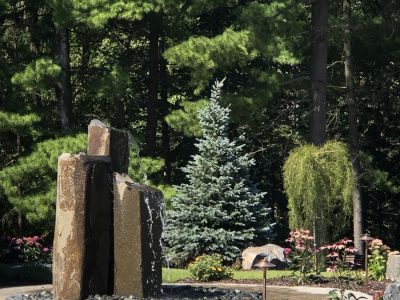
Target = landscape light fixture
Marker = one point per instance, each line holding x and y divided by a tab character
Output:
264	265
367	239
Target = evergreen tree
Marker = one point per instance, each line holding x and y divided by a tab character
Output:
219	210
30	183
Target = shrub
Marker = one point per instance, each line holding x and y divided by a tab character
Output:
28	250
377	260
209	268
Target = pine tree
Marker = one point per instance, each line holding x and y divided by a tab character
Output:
219	210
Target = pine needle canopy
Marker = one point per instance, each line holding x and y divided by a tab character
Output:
319	184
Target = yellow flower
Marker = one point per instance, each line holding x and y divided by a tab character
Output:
212	268
219	269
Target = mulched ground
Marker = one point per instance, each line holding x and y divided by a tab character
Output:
369	288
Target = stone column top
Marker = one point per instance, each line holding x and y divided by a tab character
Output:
98	123
122	178
84	157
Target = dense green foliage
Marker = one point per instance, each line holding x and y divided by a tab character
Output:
107	59
219	210
319	184
30	184
209	268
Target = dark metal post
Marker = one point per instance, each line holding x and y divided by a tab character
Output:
265	284
264	265
366	238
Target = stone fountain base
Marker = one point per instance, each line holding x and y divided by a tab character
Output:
169	293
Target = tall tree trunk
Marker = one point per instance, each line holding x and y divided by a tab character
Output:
318	70
318	86
358	217
166	149
64	88
31	19
153	85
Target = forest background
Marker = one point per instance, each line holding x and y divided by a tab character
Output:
148	65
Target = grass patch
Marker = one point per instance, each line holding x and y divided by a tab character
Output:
174	275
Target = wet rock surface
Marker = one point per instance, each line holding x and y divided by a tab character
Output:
173	292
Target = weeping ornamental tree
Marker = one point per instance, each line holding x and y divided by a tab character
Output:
319	184
219	210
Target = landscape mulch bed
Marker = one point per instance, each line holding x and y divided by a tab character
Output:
369	288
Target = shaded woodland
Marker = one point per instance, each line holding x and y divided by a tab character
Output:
297	72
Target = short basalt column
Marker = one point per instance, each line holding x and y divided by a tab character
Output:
82	238
138	226
108	141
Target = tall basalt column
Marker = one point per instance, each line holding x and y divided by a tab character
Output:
108	141
83	232
69	248
138	213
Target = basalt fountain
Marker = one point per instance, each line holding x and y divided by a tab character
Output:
108	229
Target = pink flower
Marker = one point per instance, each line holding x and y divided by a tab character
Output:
376	242
340	246
346	241
287	251
333	254
18	241
45	250
351	250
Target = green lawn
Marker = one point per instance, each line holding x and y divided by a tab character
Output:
173	275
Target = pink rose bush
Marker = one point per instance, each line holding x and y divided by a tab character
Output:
27	250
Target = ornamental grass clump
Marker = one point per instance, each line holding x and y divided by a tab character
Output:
377	260
209	268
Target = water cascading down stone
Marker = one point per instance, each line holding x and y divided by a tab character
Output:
108	228
137	240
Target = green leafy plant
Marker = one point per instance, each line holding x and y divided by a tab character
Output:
377	260
302	256
209	268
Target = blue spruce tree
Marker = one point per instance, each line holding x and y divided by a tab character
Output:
219	210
